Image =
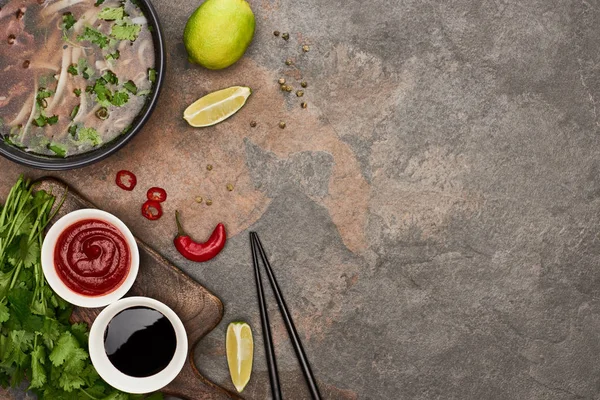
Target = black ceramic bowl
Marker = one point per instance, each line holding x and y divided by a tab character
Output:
77	161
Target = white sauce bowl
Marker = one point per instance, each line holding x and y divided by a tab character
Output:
116	378
59	286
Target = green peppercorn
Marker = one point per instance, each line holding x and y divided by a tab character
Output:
305	48
288	88
209	202
198	199
303	84
276	33
289	61
209	167
282	125
253	124
300	93
230	187
285	36
281	81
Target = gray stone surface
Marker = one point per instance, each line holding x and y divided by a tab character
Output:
432	217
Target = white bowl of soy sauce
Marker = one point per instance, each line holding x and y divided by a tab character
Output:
138	345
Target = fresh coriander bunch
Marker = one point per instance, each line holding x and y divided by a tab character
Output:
37	342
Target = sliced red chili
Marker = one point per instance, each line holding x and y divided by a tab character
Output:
152	210
157	194
126	180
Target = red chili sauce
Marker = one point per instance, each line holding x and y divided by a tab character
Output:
92	257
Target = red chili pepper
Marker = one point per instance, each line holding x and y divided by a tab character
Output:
152	210
126	180
157	194
199	252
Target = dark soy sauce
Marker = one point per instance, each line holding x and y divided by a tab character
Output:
140	341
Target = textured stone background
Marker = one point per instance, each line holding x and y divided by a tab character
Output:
432	216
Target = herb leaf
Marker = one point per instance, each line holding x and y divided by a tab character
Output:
89	135
68	21
93	36
152	75
112	13
130	86
126	31
58	149
120	98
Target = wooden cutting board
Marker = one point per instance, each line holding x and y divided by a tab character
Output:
199	309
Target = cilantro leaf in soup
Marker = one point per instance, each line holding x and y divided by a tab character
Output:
99	2
130	86
89	135
58	149
126	31
152	75
110	77
72	130
75	111
68	20
112	13
113	56
120	98
77	92
72	69
93	36
102	92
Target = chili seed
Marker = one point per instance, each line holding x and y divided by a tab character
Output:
285	36
26	64
209	167
303	104
282	125
276	33
230	187
198	199
305	48
253	124
11	39
300	93
281	81
289	61
209	202
303	84
20	13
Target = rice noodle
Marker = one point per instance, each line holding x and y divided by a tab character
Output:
141	49
62	80
101	66
88	17
43	65
139	20
23	113
35	90
75	55
82	107
53	9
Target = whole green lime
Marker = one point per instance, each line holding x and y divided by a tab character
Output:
218	33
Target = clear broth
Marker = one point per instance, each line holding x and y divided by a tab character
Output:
46	67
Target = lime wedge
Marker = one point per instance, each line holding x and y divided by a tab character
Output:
240	351
216	106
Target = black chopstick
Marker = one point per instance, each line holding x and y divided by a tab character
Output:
289	322
266	327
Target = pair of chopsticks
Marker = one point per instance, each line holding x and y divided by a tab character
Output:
257	249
